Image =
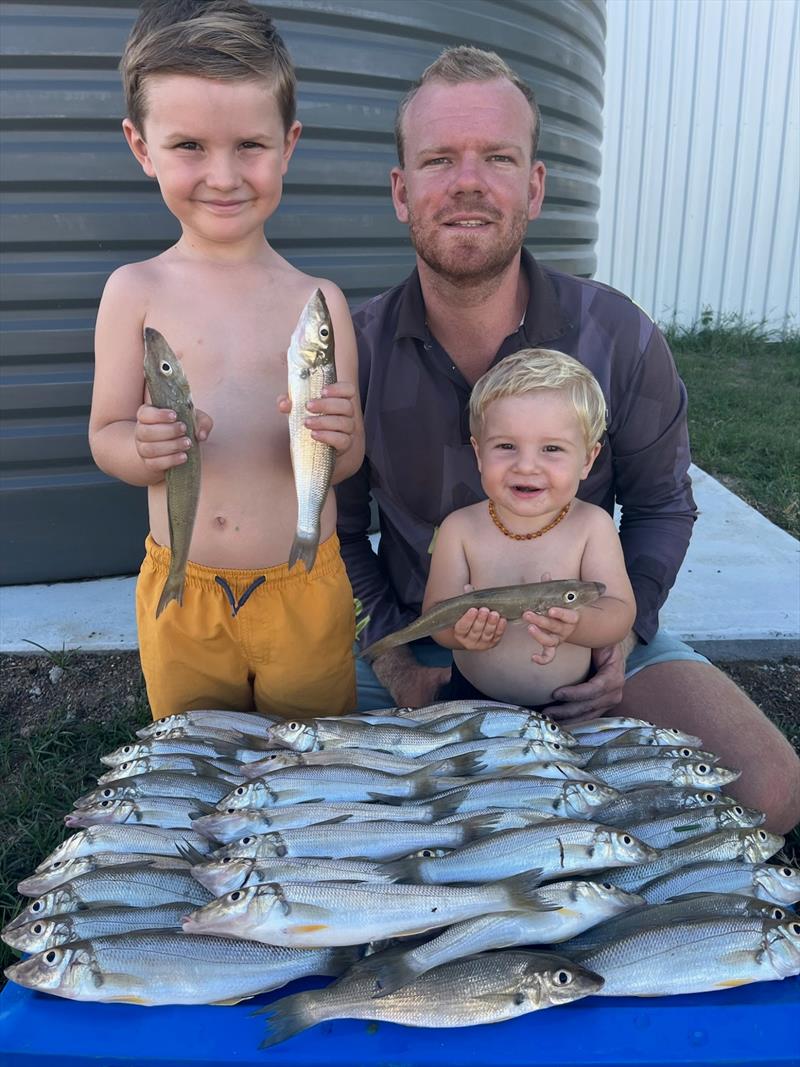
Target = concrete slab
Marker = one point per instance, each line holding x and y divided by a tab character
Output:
738	593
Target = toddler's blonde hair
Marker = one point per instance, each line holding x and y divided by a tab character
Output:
532	369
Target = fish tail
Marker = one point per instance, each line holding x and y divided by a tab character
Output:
285	1018
402	870
173	590
481	825
465	766
304	549
441	807
392	974
522	891
423	783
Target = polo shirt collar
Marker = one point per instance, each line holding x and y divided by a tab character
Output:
544	319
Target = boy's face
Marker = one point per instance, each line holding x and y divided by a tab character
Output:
532	454
218	150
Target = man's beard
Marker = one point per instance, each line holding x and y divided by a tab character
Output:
467	261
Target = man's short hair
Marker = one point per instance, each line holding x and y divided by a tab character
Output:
224	39
532	369
460	64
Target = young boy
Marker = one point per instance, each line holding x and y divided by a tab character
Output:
536	420
210	93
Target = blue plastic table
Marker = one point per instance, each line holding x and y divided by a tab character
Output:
751	1025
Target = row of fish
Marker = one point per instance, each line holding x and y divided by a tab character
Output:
428	859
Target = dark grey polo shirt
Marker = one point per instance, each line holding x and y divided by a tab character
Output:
420	466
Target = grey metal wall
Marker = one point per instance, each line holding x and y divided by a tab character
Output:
74	206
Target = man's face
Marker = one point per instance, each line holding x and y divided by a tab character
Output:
469	186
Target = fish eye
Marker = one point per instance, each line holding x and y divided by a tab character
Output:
107	793
627	839
227	859
37	906
230	811
787	872
702	768
551	726
762	835
127	748
57	863
166	368
51	956
709	797
795	928
686	752
737	810
606	885
778	913
37	928
589	787
124	766
324	332
427	853
240	791
563	977
247	840
556	746
570	596
235	895
106	803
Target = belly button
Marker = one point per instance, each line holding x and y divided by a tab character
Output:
220	521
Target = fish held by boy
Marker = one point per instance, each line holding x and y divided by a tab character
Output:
168	388
511	601
311	368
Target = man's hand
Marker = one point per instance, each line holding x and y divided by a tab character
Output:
410	684
550	631
331	417
479	628
161	440
601	693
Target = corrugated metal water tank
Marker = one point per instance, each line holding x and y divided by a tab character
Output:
75	206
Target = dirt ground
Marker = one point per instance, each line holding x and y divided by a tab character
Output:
88	685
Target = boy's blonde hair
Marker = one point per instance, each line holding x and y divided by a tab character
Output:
460	64
532	369
224	39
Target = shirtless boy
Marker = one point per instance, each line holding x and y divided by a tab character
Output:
210	93
536	420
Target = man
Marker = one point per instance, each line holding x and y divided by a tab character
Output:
467	184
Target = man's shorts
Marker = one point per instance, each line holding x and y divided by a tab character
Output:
273	641
663	648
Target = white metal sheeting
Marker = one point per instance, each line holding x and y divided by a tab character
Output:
701	158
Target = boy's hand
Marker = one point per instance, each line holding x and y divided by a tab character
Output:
479	629
331	416
550	631
161	439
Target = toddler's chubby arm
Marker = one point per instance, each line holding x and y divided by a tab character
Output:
130	439
478	628
608	620
336	418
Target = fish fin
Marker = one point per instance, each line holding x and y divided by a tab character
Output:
522	892
304	549
384	798
229	1003
173	590
424	781
442	807
402	870
202	809
481	825
390	974
465	766
286	1017
189	853
469	730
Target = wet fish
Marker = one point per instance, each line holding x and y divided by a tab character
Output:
653	736
503	753
164	967
666	830
466	764
231	824
649	801
174	742
604	755
137	885
557	847
311	367
341	913
98	922
577	906
633	773
65	870
173	813
178	761
158	784
511	601
546	795
168	388
752	845
345	734
767	881
481	989
144	839
695	955
245	722
227	873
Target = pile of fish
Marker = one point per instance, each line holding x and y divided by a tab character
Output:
427	859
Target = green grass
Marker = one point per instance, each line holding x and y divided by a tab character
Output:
744	397
42	774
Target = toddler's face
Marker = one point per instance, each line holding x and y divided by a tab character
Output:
218	150
532	454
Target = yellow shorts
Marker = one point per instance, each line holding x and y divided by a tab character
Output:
244	640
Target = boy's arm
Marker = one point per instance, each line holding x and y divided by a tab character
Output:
129	439
336	418
607	620
448	577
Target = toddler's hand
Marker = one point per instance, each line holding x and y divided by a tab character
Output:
331	418
160	438
550	631
479	629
